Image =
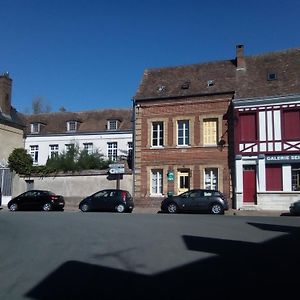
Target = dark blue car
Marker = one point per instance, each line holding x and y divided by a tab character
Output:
108	200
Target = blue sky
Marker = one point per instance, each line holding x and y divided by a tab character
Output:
91	54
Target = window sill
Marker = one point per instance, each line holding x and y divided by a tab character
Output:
183	146
156	195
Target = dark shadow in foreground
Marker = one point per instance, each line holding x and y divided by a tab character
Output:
239	270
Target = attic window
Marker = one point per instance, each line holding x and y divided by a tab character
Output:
272	76
185	85
161	88
35	127
72	125
210	82
112	124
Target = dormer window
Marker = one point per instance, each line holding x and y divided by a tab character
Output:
112	124
35	127
210	83
72	126
161	88
185	85
272	76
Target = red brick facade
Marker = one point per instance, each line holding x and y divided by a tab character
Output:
193	159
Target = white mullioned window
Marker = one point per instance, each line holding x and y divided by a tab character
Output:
210	132
68	147
112	151
112	124
156	182
211	178
157	134
35	128
183	133
34	152
72	125
88	147
53	150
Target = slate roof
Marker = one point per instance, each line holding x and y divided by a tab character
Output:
88	121
169	82
13	120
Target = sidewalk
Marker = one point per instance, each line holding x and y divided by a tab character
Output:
230	212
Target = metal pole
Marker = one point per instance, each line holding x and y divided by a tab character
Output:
118	181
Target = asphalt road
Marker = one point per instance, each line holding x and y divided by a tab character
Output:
73	255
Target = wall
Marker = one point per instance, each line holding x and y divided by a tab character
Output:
269	201
72	187
10	138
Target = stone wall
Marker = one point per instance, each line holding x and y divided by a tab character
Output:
74	187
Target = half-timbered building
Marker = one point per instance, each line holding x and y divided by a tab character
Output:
266	122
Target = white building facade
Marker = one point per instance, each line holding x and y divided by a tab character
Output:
108	132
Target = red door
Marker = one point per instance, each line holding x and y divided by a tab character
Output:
249	184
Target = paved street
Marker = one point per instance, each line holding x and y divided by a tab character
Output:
72	255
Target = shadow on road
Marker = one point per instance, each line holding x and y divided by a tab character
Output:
238	270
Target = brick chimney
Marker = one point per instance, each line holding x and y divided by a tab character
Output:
5	94
240	59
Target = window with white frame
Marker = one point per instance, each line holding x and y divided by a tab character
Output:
210	131
112	151
35	128
156	182
211	178
112	124
183	133
88	147
53	150
34	152
68	147
157	134
72	125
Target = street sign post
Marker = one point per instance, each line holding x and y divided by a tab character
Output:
118	170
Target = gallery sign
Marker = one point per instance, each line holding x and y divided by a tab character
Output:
282	159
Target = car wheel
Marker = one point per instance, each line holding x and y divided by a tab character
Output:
84	207
217	209
172	208
120	208
13	207
47	207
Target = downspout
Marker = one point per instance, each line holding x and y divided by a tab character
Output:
134	147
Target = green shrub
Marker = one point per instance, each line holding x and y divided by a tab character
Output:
20	161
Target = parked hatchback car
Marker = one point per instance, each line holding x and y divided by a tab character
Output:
295	208
197	200
37	200
108	200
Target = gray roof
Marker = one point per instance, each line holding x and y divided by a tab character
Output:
191	80
88	121
13	120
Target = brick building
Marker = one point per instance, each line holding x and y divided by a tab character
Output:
181	133
187	130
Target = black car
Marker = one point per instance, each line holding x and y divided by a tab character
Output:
108	200
295	208
197	200
37	200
